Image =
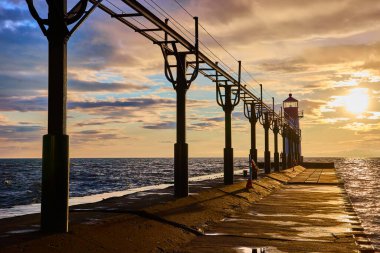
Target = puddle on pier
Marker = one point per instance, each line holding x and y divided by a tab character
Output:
271	215
92	221
23	231
257	250
215	234
297	238
336	216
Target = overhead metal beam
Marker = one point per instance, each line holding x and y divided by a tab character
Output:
176	37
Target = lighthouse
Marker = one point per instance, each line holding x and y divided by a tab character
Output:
292	137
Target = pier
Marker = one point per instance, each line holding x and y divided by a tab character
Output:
286	206
183	62
295	210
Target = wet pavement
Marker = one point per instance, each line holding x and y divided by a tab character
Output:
310	214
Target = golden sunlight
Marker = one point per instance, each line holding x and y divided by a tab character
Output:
357	100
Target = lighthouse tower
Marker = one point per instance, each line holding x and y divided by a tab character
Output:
291	111
292	139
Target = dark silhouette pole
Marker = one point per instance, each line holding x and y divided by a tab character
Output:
55	154
290	148
252	115
266	126
253	121
181	185
228	101
180	84
228	150
296	145
276	155
284	154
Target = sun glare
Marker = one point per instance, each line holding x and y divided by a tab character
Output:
357	100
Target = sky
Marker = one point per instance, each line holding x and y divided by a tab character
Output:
325	52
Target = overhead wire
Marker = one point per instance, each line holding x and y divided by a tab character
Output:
218	43
180	27
122	11
219	60
215	57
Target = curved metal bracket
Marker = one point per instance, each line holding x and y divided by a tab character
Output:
261	107
225	99
276	128
76	12
237	95
41	22
272	120
266	121
250	111
76	15
167	51
167	67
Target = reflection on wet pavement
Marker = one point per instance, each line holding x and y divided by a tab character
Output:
296	218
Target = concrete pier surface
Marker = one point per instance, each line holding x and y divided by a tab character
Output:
295	210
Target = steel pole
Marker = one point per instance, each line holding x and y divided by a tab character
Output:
228	150
181	185
55	155
297	150
253	150
266	153
290	149
284	154
276	155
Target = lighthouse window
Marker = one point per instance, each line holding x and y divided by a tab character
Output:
290	104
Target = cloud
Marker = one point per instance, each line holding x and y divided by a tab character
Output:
40	103
291	65
132	102
362	127
98	122
288	19
318	50
217	14
202	126
85	86
23	104
20	133
161	125
21	85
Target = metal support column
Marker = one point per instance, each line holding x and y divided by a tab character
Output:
294	147
276	155
55	154
181	84
297	150
284	154
290	149
181	185
228	101
253	150
253	121
228	150
266	126
252	115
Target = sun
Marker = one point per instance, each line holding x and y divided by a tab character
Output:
357	100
